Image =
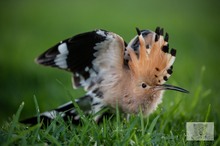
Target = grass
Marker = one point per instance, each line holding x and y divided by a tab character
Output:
165	127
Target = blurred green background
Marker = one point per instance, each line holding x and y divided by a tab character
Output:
27	28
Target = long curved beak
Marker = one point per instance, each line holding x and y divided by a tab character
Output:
171	87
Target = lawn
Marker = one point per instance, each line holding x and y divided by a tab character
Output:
29	28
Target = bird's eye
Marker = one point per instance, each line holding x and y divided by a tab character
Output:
144	85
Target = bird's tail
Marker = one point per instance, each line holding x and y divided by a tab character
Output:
66	111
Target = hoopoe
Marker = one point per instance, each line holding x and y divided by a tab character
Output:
113	73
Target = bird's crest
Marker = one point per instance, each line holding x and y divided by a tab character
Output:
154	63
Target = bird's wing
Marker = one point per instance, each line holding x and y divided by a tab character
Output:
86	54
68	112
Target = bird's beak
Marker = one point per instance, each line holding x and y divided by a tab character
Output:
171	87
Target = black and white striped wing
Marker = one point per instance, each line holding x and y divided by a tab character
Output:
86	55
68	112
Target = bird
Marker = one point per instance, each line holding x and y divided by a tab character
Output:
114	74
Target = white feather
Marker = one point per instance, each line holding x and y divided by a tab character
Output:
60	59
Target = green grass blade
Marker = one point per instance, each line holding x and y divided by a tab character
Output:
15	121
142	122
217	141
118	123
152	125
207	113
37	109
128	134
36	133
53	140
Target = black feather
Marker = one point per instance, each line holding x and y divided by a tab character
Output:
161	31
157	31
79	54
165	49
169	71
156	37
173	52
166	38
67	112
138	31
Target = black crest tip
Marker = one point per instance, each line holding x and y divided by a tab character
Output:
165	78
165	49
173	52
157	31
169	71
156	37
166	38
161	31
171	67
138	31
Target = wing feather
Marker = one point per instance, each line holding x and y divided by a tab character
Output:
85	55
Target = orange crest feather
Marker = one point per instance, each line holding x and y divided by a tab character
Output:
154	64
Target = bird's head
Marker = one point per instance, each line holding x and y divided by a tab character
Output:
151	63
